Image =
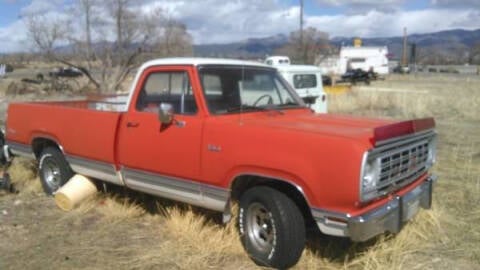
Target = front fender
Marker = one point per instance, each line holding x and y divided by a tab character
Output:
270	173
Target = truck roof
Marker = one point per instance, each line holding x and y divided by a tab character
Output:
297	68
192	61
196	61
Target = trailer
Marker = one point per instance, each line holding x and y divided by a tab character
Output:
373	59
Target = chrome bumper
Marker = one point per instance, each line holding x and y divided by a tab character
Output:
390	217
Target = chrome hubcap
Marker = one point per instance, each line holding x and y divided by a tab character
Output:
51	174
260	227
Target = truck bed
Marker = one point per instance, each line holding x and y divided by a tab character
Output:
83	128
113	103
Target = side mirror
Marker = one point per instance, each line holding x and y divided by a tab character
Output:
165	113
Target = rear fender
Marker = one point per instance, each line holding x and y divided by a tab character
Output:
38	137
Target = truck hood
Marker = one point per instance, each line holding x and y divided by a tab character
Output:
358	128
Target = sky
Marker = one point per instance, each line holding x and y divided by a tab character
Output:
223	21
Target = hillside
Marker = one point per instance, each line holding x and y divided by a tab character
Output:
250	48
449	42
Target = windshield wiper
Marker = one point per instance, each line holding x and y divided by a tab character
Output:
245	108
253	108
289	104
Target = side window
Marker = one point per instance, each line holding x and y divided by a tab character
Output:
167	87
212	85
301	81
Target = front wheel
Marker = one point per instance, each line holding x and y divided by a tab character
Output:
271	227
53	169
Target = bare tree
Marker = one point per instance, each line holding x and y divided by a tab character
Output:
113	34
474	54
438	55
176	40
86	8
46	32
430	55
305	47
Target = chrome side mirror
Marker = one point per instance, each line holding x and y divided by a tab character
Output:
165	113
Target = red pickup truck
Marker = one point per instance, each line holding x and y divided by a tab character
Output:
210	132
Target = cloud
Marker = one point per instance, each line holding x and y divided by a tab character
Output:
14	37
363	6
215	21
456	3
380	24
41	6
219	21
358	2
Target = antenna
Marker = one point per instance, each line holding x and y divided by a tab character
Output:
240	89
301	30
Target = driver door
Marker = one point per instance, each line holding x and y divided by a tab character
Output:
159	159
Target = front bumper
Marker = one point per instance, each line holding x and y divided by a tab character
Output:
389	217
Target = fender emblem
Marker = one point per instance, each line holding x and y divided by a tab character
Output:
214	148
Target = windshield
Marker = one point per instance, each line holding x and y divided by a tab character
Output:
229	89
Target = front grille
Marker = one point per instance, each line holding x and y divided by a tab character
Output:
402	165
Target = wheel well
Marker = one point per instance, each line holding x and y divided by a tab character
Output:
242	183
39	144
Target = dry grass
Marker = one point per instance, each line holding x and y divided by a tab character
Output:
24	175
125	231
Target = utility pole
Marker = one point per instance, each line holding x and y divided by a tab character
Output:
404	56
301	21
302	46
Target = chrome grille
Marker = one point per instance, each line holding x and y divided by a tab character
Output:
403	164
398	163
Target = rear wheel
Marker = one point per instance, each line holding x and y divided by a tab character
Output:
53	169
271	227
3	158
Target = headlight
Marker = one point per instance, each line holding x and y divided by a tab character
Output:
370	177
371	174
432	152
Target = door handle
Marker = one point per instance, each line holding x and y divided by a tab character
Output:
132	124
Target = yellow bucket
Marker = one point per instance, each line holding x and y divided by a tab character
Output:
77	189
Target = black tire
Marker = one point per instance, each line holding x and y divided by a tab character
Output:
271	227
53	169
3	159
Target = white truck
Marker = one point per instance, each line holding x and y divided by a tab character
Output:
305	79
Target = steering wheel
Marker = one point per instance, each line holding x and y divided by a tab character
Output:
270	99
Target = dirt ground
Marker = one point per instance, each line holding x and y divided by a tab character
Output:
126	230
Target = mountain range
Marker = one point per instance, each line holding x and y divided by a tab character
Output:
250	48
449	41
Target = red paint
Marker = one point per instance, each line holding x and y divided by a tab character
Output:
402	128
